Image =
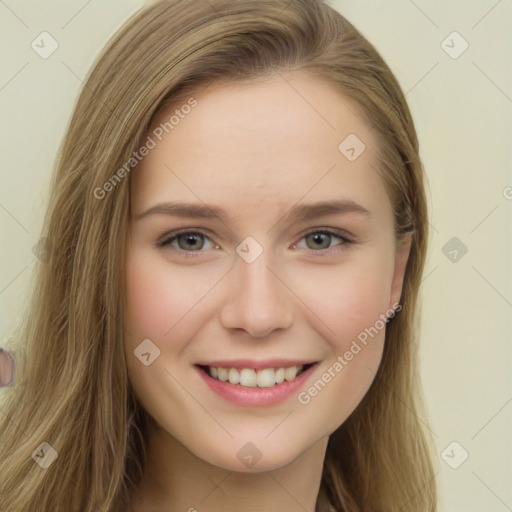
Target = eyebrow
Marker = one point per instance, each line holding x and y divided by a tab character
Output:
298	213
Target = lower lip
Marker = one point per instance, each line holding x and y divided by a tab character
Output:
256	397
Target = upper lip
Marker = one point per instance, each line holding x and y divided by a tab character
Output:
256	364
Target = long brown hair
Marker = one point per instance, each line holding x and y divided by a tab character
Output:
73	390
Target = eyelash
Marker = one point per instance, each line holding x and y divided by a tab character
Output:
167	239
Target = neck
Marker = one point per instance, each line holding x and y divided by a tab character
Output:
177	480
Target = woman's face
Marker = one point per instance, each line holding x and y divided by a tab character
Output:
286	258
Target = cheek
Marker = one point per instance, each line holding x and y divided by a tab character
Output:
351	297
156	297
162	306
356	295
147	304
355	343
166	301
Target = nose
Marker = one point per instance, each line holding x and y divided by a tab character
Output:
258	301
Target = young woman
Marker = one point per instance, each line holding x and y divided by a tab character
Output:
227	317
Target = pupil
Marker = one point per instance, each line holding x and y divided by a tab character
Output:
191	240
318	239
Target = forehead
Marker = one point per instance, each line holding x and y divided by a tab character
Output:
275	140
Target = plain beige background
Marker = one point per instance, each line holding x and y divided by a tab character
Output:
462	105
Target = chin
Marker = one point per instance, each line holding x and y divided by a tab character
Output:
253	456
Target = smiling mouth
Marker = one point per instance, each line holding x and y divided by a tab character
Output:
251	378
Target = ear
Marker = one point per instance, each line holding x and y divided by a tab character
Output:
401	258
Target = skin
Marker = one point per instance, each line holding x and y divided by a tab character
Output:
256	150
7	368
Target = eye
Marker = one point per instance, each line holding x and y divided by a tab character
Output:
187	241
320	240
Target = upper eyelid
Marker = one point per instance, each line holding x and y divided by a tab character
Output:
171	235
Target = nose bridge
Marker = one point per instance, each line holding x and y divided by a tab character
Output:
256	278
258	302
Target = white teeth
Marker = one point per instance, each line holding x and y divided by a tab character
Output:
222	374
250	378
234	376
266	378
290	373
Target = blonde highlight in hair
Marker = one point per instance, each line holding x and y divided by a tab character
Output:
73	390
